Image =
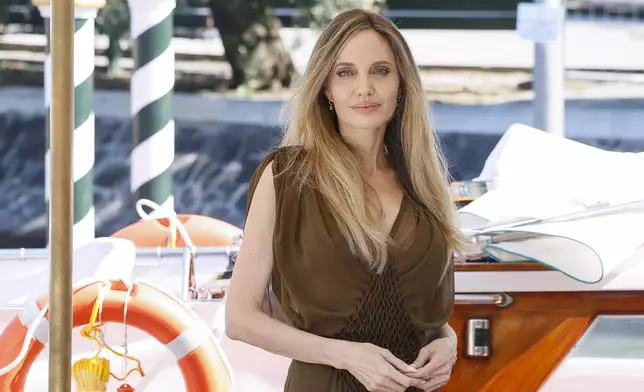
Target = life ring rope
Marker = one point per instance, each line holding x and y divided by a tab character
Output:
93	331
25	345
163	212
34	322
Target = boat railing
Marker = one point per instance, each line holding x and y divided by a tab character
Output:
220	259
31	254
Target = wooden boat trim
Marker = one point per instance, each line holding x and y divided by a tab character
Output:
494	266
530	338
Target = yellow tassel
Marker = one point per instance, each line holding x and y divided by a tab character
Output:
91	374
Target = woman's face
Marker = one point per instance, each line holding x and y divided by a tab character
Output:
364	84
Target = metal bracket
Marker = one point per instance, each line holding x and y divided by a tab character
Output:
477	339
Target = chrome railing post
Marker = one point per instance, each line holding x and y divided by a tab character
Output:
188	284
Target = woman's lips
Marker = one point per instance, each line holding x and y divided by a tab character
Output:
366	107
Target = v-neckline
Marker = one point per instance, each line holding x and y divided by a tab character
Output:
394	226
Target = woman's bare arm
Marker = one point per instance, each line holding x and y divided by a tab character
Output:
245	320
446	331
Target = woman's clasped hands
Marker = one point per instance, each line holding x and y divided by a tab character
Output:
380	371
434	364
376	368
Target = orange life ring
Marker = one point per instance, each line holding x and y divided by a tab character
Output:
203	231
149	310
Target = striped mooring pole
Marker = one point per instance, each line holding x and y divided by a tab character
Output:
152	85
83	152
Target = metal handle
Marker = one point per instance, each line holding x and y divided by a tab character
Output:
500	300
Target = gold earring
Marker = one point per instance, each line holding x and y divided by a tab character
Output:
330	105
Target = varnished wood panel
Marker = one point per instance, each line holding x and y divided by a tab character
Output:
494	266
531	337
462	202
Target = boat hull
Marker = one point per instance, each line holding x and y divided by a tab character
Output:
531	339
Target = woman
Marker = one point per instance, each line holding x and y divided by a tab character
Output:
351	223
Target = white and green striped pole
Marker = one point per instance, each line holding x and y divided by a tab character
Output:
152	85
83	153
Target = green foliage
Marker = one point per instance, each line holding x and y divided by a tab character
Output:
114	18
318	13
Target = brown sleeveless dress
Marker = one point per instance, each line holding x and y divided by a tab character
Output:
326	291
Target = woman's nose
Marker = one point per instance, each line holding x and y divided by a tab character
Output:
364	87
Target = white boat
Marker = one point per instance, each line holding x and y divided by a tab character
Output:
560	310
562	306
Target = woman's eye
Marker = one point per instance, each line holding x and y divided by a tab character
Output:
378	71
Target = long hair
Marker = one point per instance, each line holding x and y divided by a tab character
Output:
333	167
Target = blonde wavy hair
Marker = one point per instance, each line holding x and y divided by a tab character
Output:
332	166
